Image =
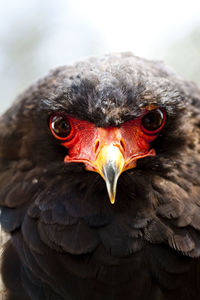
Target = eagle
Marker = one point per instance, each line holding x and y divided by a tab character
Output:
100	184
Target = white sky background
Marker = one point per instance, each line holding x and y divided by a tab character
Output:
37	35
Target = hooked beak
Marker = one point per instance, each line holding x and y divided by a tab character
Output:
111	156
110	164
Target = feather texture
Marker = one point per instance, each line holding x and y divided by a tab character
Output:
67	240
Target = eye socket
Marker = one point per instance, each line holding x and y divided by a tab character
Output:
61	127
153	121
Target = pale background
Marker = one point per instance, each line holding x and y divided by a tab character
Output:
38	35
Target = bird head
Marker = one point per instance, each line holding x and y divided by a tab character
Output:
112	150
113	130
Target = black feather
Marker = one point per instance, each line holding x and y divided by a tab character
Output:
67	240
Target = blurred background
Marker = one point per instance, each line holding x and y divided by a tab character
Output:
38	35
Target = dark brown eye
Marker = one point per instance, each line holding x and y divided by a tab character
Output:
153	121
61	127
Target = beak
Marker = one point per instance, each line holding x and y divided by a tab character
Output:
110	164
109	155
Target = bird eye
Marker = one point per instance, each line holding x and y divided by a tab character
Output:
153	121
61	127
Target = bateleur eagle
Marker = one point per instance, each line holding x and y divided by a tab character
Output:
100	184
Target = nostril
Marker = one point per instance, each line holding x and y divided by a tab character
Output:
122	144
96	146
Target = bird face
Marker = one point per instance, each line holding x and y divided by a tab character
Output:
119	128
108	151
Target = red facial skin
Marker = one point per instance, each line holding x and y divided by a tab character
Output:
85	141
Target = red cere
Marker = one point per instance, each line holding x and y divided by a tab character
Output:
84	141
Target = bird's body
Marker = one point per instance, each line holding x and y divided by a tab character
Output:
67	240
